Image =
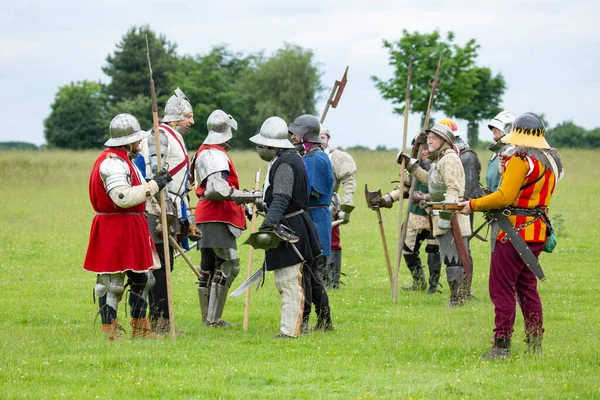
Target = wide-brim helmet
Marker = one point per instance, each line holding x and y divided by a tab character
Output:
125	129
306	125
503	121
527	130
443	131
461	140
273	133
324	131
219	125
176	107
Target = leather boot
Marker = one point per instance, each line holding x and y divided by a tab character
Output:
413	262
140	329
335	267
434	263
114	331
534	345
456	283
501	349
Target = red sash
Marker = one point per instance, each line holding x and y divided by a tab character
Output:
185	162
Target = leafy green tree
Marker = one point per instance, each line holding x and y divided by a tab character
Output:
79	118
466	91
288	84
567	134
17	146
217	80
593	138
128	66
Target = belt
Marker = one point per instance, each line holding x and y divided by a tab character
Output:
121	213
293	214
527	212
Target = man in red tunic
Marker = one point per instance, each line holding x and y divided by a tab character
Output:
219	216
120	243
517	211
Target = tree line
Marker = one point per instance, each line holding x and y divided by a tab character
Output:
250	87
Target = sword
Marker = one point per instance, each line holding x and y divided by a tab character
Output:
248	282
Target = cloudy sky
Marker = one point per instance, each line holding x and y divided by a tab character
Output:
547	50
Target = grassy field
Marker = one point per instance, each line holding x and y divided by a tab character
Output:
418	348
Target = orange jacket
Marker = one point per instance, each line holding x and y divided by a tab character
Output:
526	183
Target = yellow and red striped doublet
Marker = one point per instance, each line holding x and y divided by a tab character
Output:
526	183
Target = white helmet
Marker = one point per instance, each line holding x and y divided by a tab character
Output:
325	131
177	106
273	133
219	125
503	121
125	129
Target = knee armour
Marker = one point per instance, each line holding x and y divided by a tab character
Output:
111	286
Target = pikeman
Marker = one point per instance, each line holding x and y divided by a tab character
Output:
446	182
420	226
344	169
178	118
520	226
119	238
219	215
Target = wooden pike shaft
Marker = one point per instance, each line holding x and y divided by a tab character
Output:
251	255
400	243
385	248
163	215
185	257
434	85
334	96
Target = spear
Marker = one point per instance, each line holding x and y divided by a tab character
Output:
251	253
163	215
434	85
400	243
336	94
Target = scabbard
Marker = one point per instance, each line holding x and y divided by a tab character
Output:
463	253
519	244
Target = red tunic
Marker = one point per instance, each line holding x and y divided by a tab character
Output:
119	237
220	211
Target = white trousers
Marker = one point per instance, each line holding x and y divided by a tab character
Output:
288	281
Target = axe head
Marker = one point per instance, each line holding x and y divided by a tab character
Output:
341	85
376	195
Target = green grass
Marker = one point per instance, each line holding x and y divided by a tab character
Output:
418	348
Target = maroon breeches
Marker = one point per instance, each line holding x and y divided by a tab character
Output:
512	280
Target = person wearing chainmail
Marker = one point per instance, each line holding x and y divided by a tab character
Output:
174	126
219	215
120	242
520	226
305	132
286	198
344	169
446	182
500	126
420	226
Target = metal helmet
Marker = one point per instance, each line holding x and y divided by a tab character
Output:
461	140
177	106
442	131
324	131
527	130
306	125
273	133
125	129
219	125
449	123
502	121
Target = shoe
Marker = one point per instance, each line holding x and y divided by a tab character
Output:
500	350
282	335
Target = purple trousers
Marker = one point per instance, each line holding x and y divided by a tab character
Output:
512	280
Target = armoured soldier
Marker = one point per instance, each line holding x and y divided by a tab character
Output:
419	229
500	125
178	118
520	227
305	133
286	196
119	238
446	182
219	215
344	169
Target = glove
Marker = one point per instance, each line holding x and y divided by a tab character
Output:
248	211
260	205
421	139
162	178
386	201
344	216
411	163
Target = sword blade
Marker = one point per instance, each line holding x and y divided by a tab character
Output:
242	288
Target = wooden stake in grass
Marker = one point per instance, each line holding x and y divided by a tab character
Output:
251	253
399	244
163	214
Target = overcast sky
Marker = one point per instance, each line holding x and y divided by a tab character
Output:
547	50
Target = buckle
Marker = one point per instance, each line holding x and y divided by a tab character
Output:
506	212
